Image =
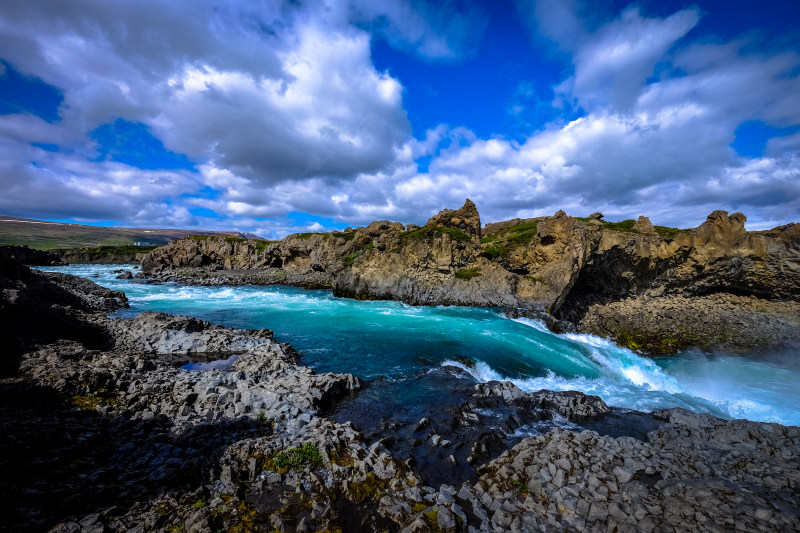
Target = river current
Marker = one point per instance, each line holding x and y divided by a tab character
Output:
406	345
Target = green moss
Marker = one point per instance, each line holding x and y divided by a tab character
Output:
522	238
308	235
261	246
340	456
297	458
94	400
433	519
669	233
535	279
519	486
468	273
349	236
487	239
456	234
523	227
350	259
507	240
425	233
371	488
369	246
419	507
496	251
623	225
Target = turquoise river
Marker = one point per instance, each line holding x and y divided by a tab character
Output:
401	343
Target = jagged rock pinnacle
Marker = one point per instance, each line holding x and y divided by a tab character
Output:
467	219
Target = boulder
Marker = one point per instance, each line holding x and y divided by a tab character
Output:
644	226
467	219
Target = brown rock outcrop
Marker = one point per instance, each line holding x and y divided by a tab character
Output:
573	268
466	219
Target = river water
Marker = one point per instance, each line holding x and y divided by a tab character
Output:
404	343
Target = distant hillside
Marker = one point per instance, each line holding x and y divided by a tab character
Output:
45	235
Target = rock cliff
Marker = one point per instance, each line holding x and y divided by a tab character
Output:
582	270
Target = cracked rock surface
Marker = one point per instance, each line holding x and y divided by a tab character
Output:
108	433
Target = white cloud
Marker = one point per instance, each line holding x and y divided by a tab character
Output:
282	110
432	30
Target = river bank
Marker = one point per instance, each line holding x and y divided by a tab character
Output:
216	449
654	289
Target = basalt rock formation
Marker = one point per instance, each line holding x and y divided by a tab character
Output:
110	434
628	280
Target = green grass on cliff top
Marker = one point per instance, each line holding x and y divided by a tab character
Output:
505	241
626	226
430	232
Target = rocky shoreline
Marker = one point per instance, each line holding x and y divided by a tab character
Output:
644	286
105	432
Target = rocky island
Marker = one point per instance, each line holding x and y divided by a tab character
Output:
106	430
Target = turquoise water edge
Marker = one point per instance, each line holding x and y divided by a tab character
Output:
372	339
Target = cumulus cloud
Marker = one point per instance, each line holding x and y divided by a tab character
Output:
446	30
39	183
281	109
658	119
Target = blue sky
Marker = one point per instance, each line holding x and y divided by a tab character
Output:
278	117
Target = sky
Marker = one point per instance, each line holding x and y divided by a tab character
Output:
279	117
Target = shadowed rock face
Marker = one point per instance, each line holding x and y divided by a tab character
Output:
569	267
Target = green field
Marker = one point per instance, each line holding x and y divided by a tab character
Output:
44	235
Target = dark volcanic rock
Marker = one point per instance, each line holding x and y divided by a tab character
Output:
114	436
39	308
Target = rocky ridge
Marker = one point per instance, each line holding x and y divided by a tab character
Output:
608	279
115	436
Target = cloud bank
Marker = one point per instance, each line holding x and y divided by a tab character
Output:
280	109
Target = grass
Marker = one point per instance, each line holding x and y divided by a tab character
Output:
297	458
309	234
519	486
502	243
468	273
93	401
669	233
426	233
262	245
626	226
623	225
350	259
371	488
